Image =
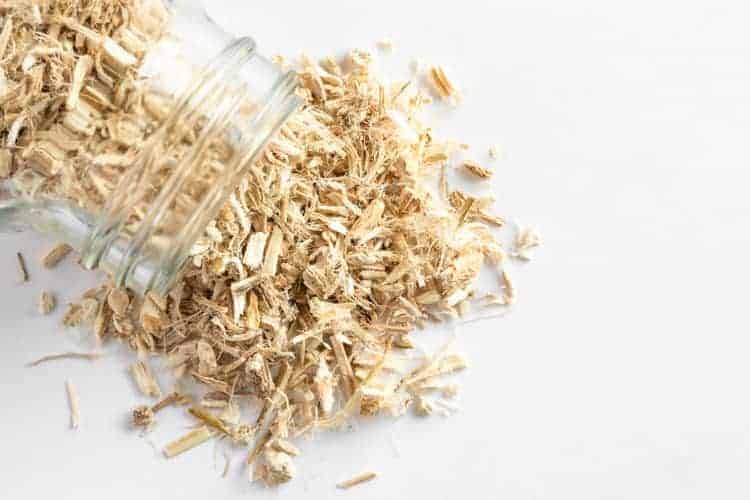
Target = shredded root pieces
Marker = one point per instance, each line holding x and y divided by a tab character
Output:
356	480
67	355
75	414
302	294
188	442
56	255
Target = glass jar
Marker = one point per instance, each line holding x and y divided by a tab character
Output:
216	103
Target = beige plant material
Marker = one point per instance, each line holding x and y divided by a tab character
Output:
144	416
56	255
118	301
527	239
75	413
509	288
494	152
477	170
47	302
90	356
24	273
306	287
144	379
442	84
357	480
276	468
188	441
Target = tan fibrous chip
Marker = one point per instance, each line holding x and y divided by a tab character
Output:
442	84
47	302
118	301
56	255
145	379
527	239
188	441
75	413
357	480
477	170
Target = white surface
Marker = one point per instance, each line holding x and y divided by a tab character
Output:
622	372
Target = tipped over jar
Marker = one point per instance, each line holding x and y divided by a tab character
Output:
126	130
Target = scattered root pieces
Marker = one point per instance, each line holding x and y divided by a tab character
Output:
145	379
75	414
362	478
188	441
47	303
442	84
22	267
527	239
66	355
56	255
301	295
477	170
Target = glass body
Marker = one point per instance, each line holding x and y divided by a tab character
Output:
218	103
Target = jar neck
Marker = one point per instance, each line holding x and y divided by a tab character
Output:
240	99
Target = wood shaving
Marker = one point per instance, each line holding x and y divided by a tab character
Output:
22	267
75	414
47	302
56	255
527	239
477	170
441	83
145	380
188	441
357	480
66	355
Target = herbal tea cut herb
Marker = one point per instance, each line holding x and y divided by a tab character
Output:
303	295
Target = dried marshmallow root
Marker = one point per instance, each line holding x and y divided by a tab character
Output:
477	170
442	84
56	255
356	480
304	290
47	302
144	379
188	441
527	239
75	414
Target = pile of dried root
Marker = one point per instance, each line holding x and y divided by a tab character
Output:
304	292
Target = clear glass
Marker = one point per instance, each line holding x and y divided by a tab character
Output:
219	102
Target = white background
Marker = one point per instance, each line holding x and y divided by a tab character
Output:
622	372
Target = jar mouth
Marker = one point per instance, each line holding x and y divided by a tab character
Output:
281	103
152	258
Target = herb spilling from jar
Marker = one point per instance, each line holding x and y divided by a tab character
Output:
304	294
